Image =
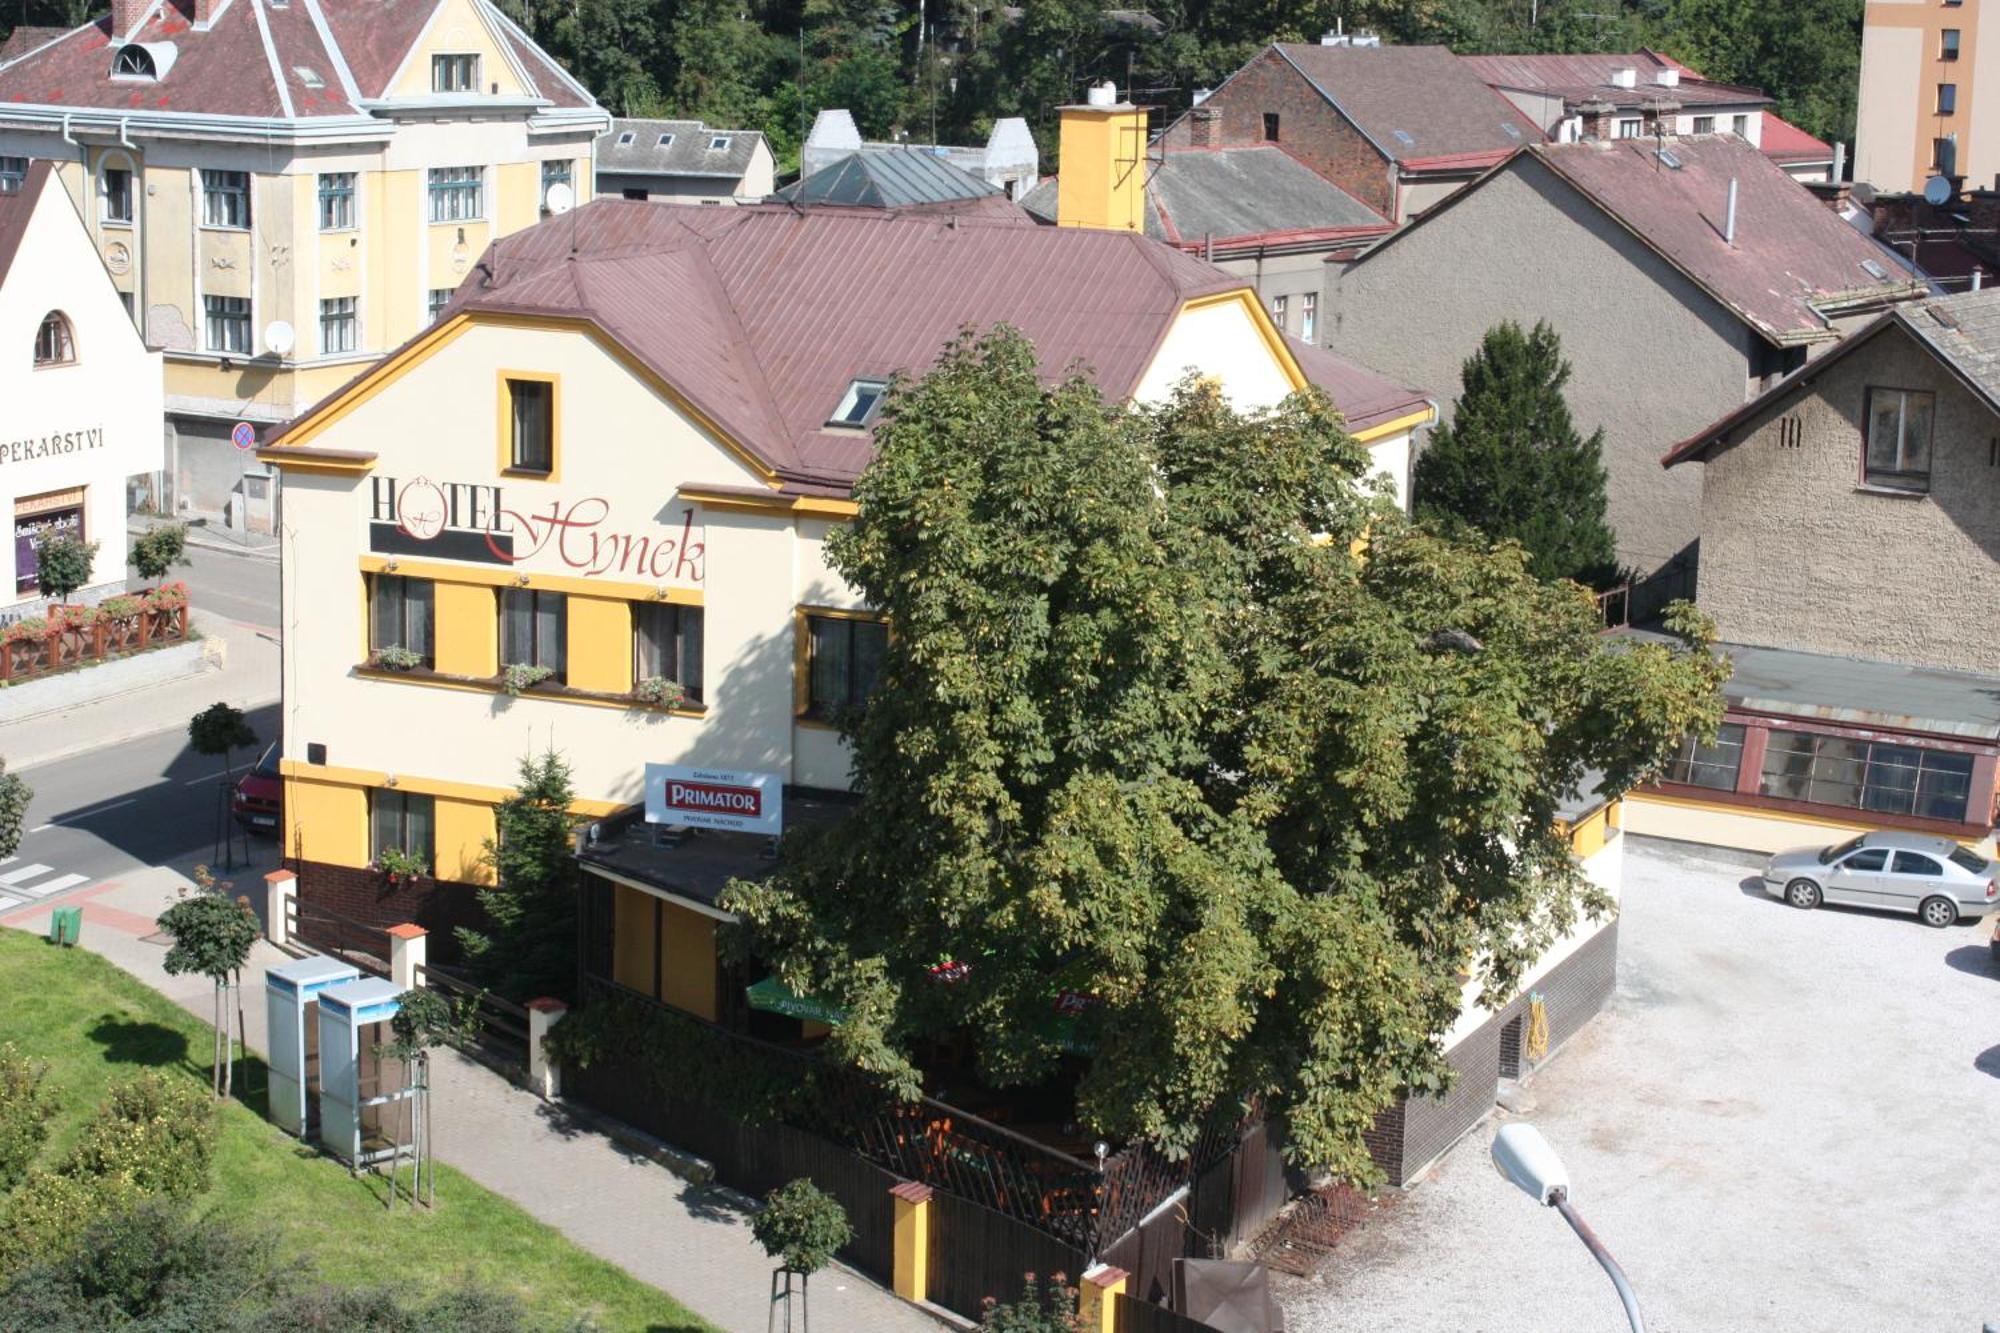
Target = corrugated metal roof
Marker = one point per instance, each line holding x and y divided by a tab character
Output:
888	178
1589	75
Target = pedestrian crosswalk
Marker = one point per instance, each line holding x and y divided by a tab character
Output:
28	883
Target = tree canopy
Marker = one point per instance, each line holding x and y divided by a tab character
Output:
1184	726
526	948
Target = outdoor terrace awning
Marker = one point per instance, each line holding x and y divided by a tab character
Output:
773	997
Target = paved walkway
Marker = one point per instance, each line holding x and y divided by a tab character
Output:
688	1240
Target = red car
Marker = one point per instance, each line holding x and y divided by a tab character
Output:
259	795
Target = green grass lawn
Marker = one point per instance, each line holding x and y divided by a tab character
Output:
93	1023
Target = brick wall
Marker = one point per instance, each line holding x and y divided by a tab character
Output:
365	896
1308	128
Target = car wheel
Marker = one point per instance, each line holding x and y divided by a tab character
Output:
1938	912
1802	893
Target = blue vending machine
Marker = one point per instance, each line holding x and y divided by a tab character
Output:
356	1085
291	995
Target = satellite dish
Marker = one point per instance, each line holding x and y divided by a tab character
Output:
278	337
560	199
1937	191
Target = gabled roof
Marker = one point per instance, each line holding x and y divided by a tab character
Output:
1366	400
1783	141
759	317
26	38
893	178
1961	331
1582	77
686	154
16	209
1415	103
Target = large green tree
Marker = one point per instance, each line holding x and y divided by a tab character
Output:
1512	464
527	948
1179	716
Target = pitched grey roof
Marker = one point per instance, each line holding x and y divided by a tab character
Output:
889	178
1964	330
1420	105
688	154
1230	192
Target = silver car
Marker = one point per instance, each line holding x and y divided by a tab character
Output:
1933	877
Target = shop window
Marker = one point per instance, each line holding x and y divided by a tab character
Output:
457	194
55	342
436	300
115	189
843	663
531	425
225	199
228	323
1867	775
339	328
403	821
455	74
401	614
13	172
534	627
1898	452
37	519
336	201
666	642
1714	766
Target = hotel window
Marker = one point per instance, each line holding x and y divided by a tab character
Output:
1279	305
457	194
1866	775
54	343
454	74
336	201
555	172
1714	766
1947	99
436	300
666	642
13	171
1898	453
844	663
1271	127
533	629
401	615
116	191
1308	315
338	328
1704	124
225	199
531	419
1948	44
228	323
401	820
1630	128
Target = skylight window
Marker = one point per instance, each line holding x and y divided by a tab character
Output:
1875	270
625	139
1668	160
309	77
1403	138
1512	130
666	141
718	143
857	408
133	62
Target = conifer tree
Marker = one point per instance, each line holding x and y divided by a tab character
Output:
528	948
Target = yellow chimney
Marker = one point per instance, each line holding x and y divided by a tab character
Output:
1102	179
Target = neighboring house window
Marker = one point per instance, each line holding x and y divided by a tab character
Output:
858	406
117	190
402	820
13	171
1704	124
338	331
533	626
1308	315
531	425
437	300
555	171
1898	453
456	194
844	663
625	139
54	343
1948	44
666	642
228	323
454	74
1715	766
336	201
1944	154
1271	126
1279	305
666	141
1630	129
225	198
1741	125
636	195
1866	775
1947	99
401	614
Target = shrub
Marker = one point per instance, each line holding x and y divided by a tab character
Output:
26	1105
149	1265
461	1308
159	549
1043	1307
155	1133
801	1226
47	1217
63	565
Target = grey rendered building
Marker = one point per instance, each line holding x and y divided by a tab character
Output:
1669	316
684	162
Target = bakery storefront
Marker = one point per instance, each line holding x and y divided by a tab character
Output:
41	518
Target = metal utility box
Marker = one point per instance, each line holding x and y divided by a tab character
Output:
355	1083
291	995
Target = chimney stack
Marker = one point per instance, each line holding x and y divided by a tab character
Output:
1102	179
125	15
1729	219
1596	117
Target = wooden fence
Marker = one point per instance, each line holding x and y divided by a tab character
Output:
74	636
1137	1316
976	1253
502	1033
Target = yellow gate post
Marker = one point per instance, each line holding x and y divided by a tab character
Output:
1096	1298
911	1278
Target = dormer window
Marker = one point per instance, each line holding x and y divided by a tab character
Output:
54	344
718	143
454	73
666	141
133	62
625	139
857	408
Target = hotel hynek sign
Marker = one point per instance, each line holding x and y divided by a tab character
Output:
492	525
715	798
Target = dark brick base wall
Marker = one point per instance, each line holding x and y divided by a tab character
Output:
366	896
1416	1131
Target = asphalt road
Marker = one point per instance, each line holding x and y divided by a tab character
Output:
242	588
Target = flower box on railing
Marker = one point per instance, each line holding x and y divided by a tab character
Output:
73	636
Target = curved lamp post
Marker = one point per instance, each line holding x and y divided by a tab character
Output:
1524	1157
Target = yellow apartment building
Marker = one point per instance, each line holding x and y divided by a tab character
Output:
283	190
1919	113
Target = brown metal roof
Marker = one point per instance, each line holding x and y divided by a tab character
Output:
1577	77
1364	398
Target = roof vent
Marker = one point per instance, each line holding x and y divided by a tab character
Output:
1625	78
1202	95
1667	77
1335	38
1102	94
1367	39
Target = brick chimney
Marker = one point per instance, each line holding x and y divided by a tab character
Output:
1202	127
204	10
125	14
1596	115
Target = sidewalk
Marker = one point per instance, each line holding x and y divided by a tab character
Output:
691	1241
248	678
207	531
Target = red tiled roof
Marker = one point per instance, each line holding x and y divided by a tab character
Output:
375	35
1786	142
15	211
25	39
1414	102
761	316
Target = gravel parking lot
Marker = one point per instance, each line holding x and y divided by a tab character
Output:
1783	1119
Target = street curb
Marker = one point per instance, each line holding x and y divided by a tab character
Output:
198	537
136	733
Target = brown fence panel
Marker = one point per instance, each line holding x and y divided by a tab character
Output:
976	1252
1147	1252
1135	1316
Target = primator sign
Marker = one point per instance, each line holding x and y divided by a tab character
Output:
715	798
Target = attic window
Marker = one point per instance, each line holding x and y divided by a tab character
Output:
625	138
666	141
309	77
857	407
1511	130
133	62
1403	138
1668	160
718	143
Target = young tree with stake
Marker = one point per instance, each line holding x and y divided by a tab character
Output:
212	938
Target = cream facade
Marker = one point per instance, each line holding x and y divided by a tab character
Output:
1919	113
79	395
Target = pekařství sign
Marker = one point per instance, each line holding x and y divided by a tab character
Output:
715	798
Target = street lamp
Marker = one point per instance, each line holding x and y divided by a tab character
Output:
1524	1157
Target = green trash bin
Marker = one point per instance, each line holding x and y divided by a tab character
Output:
65	925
